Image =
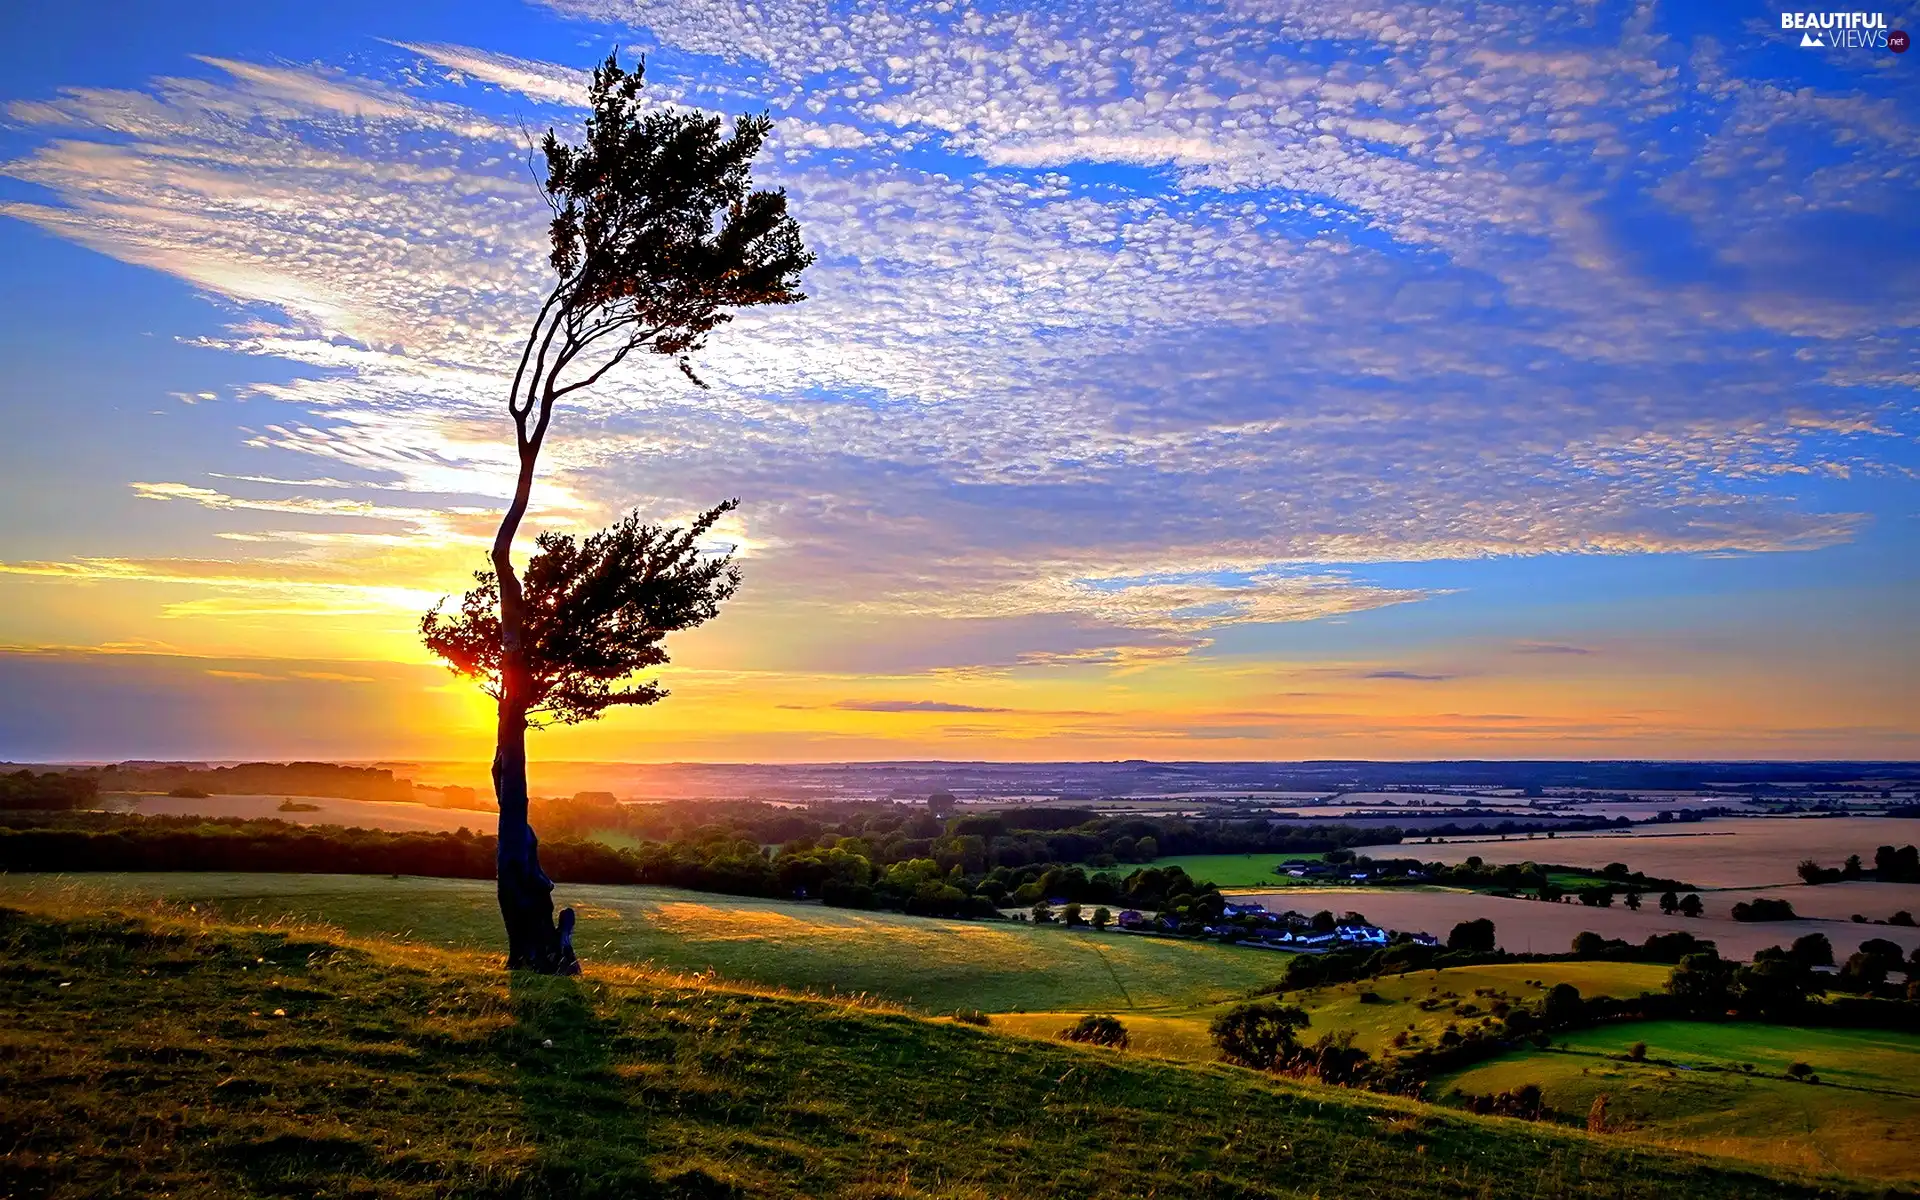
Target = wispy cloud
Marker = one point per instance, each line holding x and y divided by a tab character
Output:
913	706
1132	325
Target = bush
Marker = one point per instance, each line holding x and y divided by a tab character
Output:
1763	909
1095	1030
1799	1070
1258	1035
1637	1052
972	1016
1523	1102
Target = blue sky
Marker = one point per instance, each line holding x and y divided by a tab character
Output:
1259	379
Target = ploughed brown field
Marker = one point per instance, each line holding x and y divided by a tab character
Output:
1524	926
1727	852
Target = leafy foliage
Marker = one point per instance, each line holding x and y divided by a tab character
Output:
48	790
656	229
1259	1035
597	611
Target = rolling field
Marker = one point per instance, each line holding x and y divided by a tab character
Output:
189	1058
931	965
1863	1118
1182	1032
1452	992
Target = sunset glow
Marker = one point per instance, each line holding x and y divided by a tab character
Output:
1375	382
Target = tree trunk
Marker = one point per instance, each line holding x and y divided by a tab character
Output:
534	943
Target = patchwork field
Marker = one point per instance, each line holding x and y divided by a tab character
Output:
1524	926
931	965
1726	852
1862	1118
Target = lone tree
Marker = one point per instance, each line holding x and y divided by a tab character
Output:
657	234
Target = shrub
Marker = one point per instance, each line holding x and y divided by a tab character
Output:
1799	1070
1763	909
972	1016
1637	1052
1523	1102
1099	1030
1258	1035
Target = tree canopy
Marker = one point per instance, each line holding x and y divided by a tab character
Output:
597	612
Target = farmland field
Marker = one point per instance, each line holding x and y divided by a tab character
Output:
1727	852
1233	870
931	965
1828	901
1531	926
1863	1118
395	815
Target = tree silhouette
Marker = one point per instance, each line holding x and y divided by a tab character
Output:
657	234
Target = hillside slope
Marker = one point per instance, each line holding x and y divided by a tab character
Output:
140	1057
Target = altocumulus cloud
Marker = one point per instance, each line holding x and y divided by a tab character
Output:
1376	287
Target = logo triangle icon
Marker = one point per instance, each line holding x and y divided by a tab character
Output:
1808	39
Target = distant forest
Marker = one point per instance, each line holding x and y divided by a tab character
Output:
860	855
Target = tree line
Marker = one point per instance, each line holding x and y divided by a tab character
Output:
840	873
1889	866
54	791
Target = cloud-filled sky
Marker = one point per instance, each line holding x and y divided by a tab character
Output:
1257	379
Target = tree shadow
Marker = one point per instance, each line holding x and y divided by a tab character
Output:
589	1141
591	1131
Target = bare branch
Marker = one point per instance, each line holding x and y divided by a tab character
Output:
594	378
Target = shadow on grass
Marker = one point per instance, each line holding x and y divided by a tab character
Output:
591	1133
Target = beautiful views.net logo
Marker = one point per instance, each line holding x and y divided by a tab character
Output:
1843	30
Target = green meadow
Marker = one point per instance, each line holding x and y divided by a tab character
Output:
930	965
185	1056
1423	1004
1862	1118
1235	870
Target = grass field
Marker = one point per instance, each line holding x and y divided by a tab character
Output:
1257	870
1863	1118
1182	1032
1234	870
180	1057
1461	996
935	966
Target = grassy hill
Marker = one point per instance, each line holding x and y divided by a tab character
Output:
931	965
191	1058
1862	1118
1373	1010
